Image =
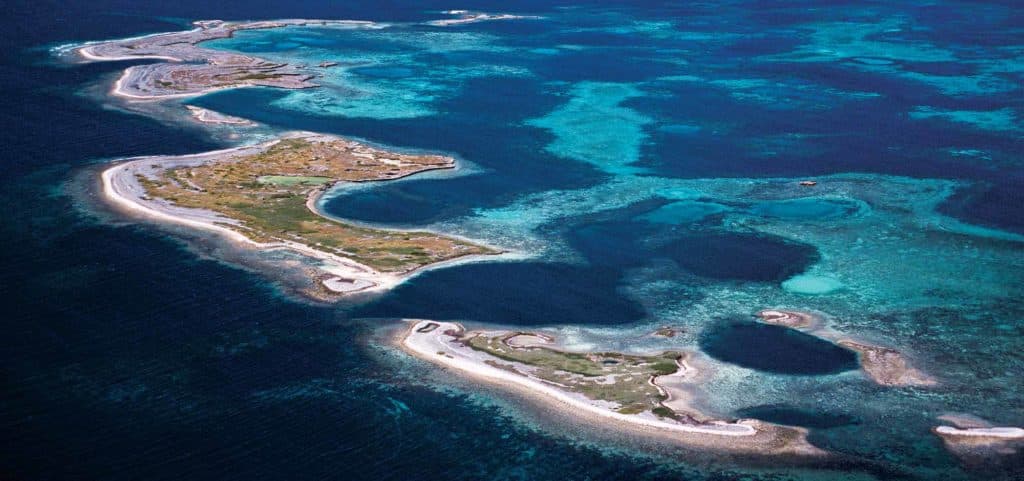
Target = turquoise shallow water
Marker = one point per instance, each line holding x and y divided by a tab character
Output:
645	163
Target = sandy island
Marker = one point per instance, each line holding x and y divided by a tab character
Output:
463	17
263	197
596	387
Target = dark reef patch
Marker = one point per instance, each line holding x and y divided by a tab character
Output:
775	349
793	416
737	256
520	293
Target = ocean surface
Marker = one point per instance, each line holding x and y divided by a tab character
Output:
642	158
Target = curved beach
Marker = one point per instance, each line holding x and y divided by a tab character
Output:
439	343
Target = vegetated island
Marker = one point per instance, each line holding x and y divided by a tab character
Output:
264	196
193	70
646	393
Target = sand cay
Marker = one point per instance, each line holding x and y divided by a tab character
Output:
263	197
193	70
638	393
207	116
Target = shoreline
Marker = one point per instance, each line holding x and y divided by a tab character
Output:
337	275
744	436
189	70
341	276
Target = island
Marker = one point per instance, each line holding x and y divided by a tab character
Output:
264	196
192	70
645	393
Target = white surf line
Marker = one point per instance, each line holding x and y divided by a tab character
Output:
430	346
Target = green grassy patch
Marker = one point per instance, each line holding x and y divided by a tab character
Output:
290	180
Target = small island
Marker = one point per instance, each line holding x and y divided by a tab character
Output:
191	70
646	393
977	442
265	196
883	365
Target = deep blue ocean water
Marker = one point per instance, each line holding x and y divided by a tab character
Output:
635	141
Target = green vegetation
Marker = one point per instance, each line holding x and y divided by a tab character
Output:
290	180
607	376
267	192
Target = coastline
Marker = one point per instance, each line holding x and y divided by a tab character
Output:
884	366
743	436
190	70
200	71
337	275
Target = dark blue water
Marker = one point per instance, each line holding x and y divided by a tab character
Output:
775	349
793	416
511	293
124	356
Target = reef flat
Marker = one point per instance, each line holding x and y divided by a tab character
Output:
194	70
264	196
643	393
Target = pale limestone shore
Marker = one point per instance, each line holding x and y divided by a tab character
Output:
438	343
